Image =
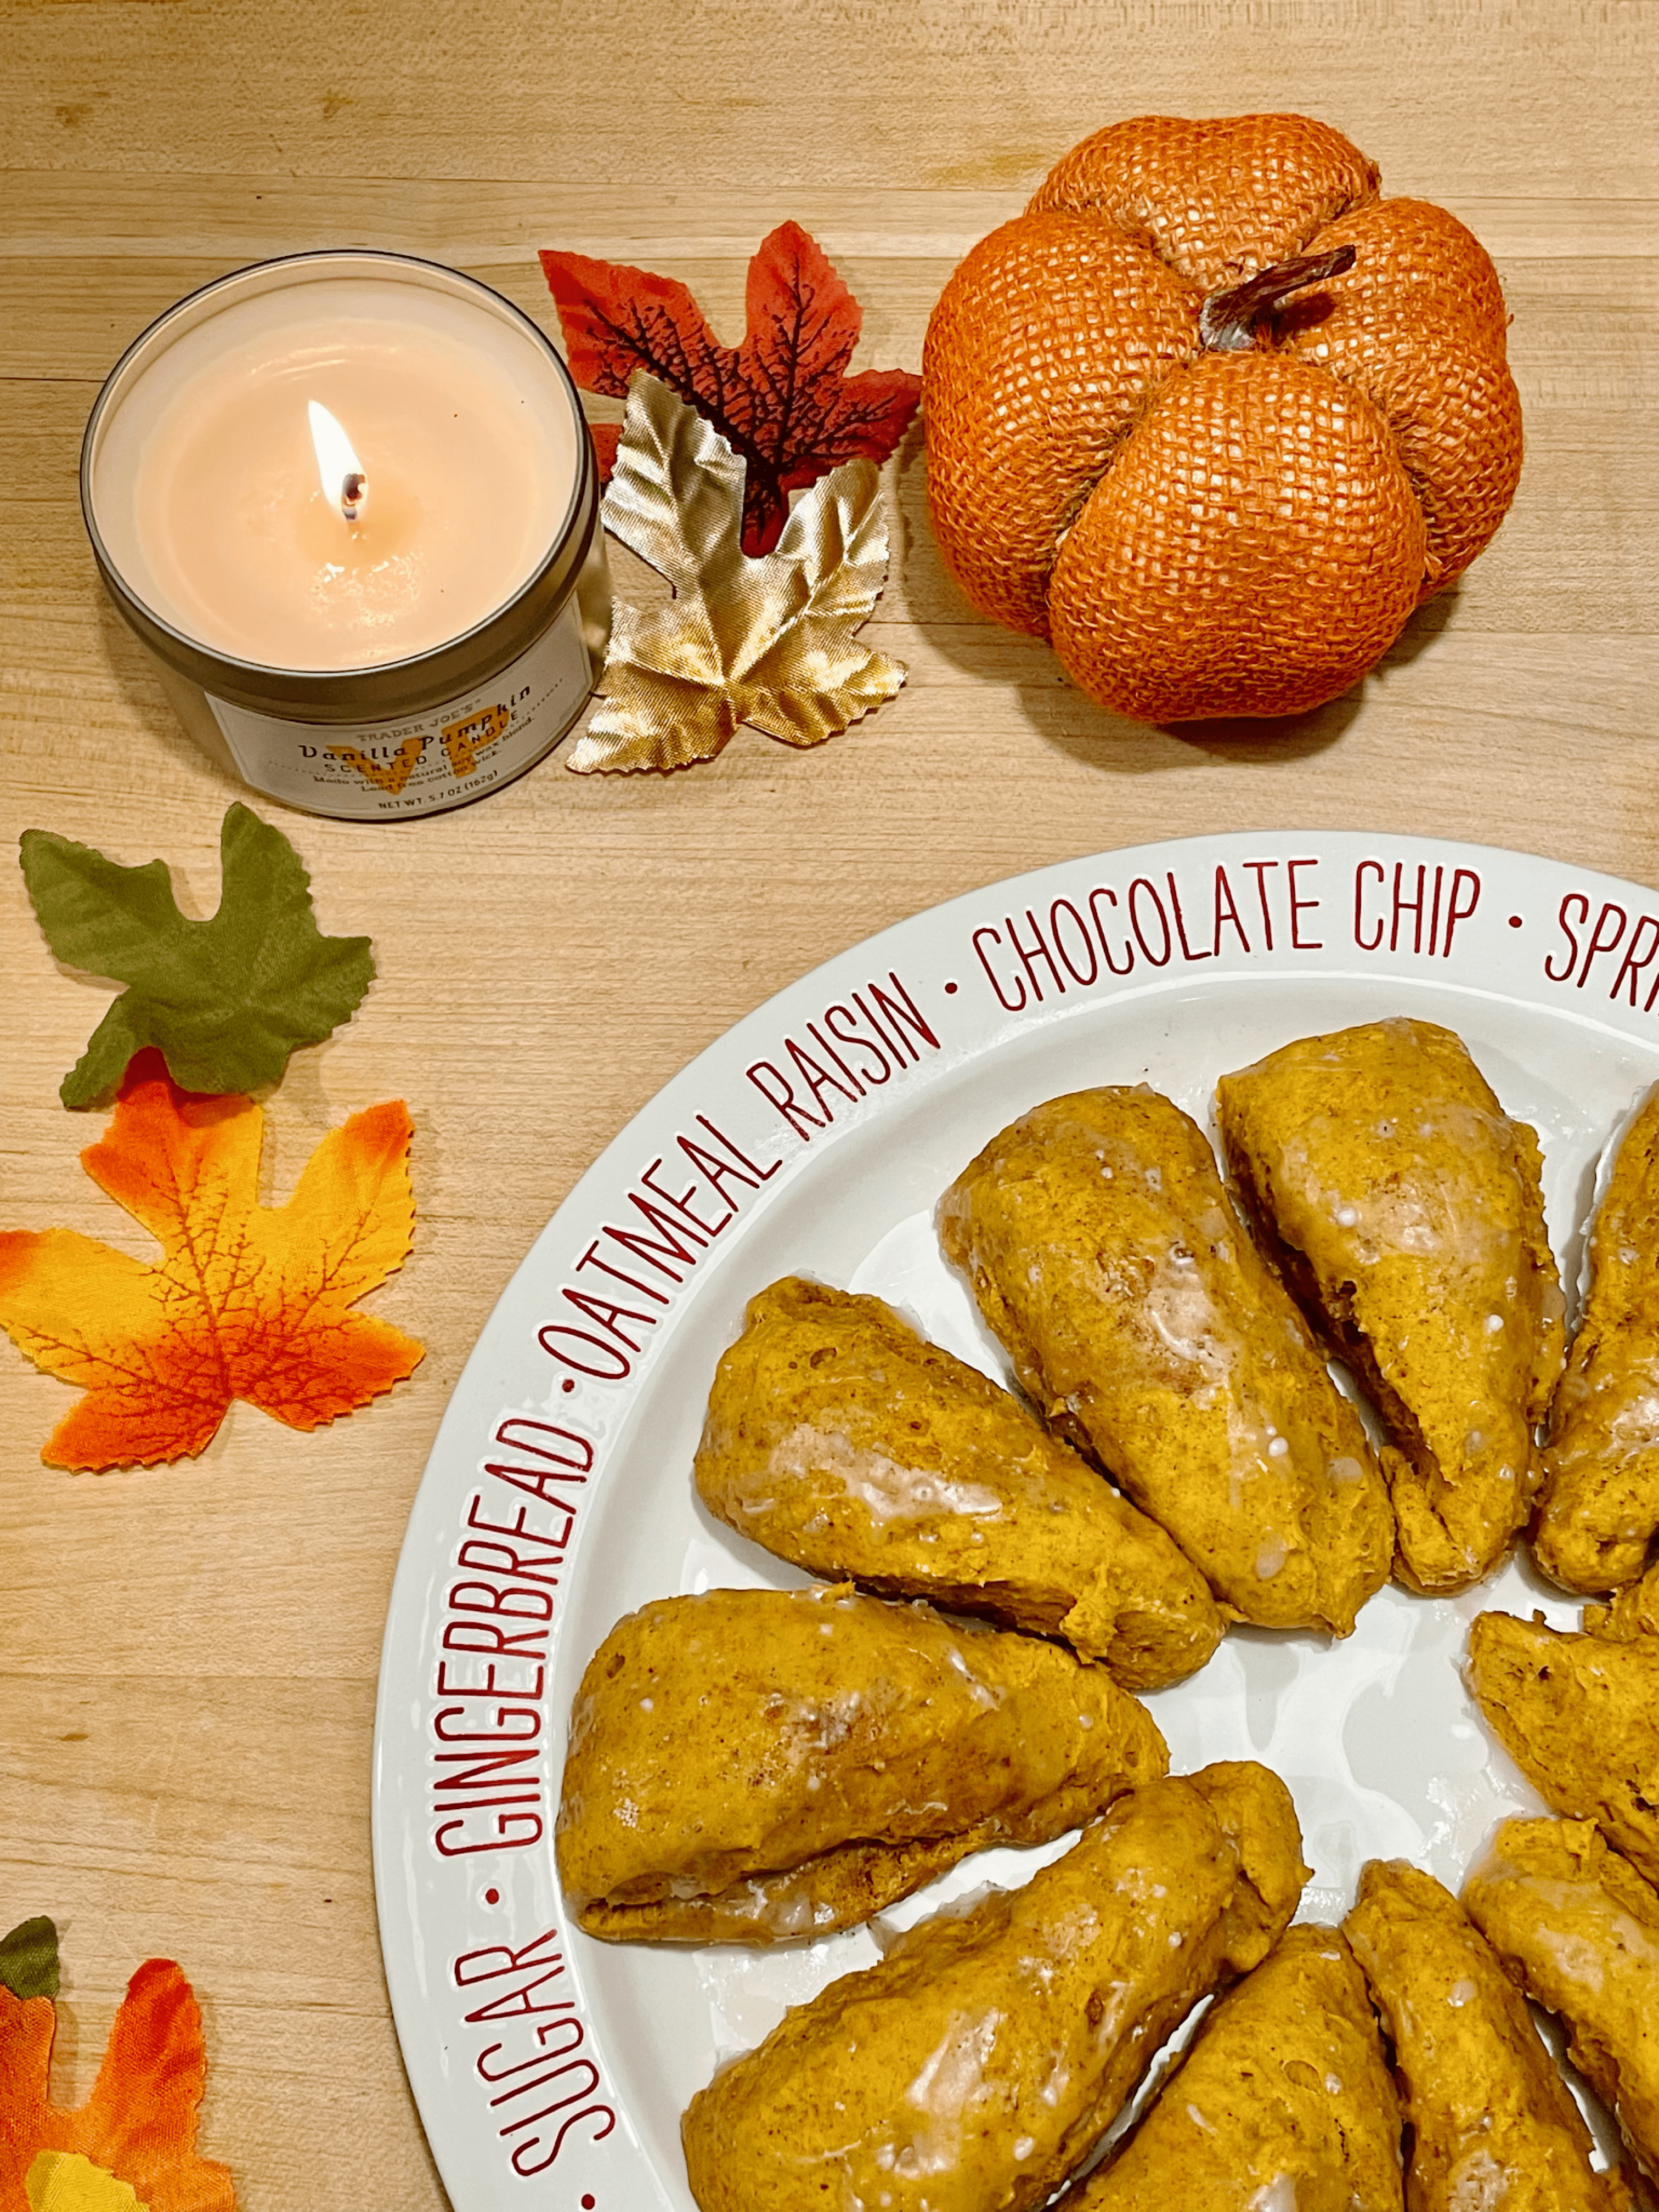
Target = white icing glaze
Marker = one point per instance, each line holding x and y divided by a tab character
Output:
822	1459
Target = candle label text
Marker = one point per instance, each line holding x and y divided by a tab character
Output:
385	771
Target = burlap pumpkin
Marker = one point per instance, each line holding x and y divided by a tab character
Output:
1217	497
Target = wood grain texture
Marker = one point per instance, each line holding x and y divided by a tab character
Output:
187	1658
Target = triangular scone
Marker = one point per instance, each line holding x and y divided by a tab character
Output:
845	1442
982	2059
1598	1507
1282	2100
1106	1256
1492	2121
1405	1209
1579	1716
754	1766
1578	1929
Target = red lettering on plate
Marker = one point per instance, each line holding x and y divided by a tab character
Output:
988	936
1366	868
1187	951
590	1259
1105	891
1032	953
1158	959
1227	915
839	1023
903	1014
470	1966
1631	967
1571	898
817	1079
609	1316
1299	907
824	1045
1463	879
772	1083
658	1255
511	1832
1064	907
557	1340
1259	869
553	2034
1612	918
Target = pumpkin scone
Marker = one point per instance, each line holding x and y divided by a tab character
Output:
1405	1210
1579	1716
982	2060
842	1441
1578	1927
1282	2097
1108	1259
1491	2120
754	1766
1598	1507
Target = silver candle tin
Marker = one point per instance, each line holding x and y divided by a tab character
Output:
402	738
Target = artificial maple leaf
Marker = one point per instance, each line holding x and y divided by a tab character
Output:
246	1302
782	400
136	2133
65	2181
227	1000
771	641
28	1958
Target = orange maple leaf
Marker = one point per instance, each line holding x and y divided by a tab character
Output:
247	1300
139	2123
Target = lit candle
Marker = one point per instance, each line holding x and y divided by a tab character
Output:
349	501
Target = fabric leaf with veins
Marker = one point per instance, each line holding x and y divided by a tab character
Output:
783	399
770	642
246	1301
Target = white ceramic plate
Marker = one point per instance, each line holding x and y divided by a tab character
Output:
815	1138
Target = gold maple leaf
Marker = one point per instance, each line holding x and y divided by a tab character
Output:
770	642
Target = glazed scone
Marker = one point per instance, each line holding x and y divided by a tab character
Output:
1142	1322
1579	1928
1282	2098
1493	2122
981	2061
753	1765
1631	1613
1404	1207
842	1441
1579	1716
1599	1506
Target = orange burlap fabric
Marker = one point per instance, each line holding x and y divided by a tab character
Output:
1203	532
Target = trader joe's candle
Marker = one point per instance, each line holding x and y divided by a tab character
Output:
348	499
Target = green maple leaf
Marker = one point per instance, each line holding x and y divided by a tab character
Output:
29	1960
227	1000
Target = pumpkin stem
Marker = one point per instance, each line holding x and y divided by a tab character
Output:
1228	320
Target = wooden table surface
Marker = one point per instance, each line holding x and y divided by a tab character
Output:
188	1655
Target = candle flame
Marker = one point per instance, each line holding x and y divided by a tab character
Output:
338	470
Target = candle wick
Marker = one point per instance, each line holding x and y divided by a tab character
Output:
354	492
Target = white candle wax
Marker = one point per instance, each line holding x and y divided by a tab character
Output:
205	484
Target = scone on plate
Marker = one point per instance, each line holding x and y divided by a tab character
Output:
1492	2121
842	1441
1579	1716
754	1766
1405	1210
1283	2099
1142	1322
1578	1927
1598	1507
980	2062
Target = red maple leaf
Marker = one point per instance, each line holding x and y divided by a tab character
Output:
782	399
